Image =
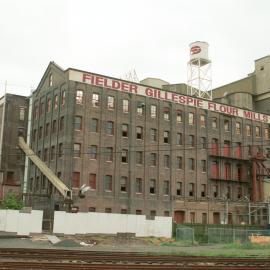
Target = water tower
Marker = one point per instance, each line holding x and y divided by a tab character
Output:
199	71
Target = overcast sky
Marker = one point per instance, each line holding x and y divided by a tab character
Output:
113	37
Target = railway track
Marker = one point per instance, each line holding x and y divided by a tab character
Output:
73	259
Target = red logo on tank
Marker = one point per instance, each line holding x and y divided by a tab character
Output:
195	50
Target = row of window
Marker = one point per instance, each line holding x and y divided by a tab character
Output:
153	186
39	110
167	114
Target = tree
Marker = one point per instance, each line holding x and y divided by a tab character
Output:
11	201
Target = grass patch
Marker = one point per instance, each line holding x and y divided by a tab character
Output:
247	245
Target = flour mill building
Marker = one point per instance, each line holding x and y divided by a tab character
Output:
147	148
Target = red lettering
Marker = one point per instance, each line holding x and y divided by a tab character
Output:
87	77
124	86
149	92
175	97
182	99
106	83
133	88
211	106
115	84
99	81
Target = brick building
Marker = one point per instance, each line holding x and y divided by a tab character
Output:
146	150
13	115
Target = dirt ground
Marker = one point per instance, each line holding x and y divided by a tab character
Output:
132	244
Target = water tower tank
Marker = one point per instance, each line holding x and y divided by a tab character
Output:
199	50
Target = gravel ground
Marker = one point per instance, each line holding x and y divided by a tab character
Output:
134	245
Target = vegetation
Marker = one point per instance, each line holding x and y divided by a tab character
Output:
11	201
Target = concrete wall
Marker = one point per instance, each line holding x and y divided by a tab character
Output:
21	223
82	223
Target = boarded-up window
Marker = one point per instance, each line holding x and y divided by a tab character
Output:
76	179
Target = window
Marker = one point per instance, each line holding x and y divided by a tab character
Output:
125	130
204	218
62	123
54	126
138	212
214	122
94	125
191	140
125	105
35	113
228	193
139	158
239	172
202	120
124	156
34	135
239	192
203	190
191	164
191	118
95	100
60	150
179	162
92	181
192	217
123	211
55	102
214	169
92	209
110	103
191	189
153	135
153	159
166	187
109	154
214	146
52	152
93	152
179	138
78	122
166	137
139	133
166	113
249	150
258	131
108	210
226	125
238	128
45	155
166	213
139	185
203	164
179	189
266	133
63	98
152	186
140	108
41	108
47	129
49	105
203	143
238	150
40	132
109	128
123	184
227	148
153	213
50	79
248	130
153	111
79	97
166	161
227	171
22	113
77	150
179	116
215	191
108	183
